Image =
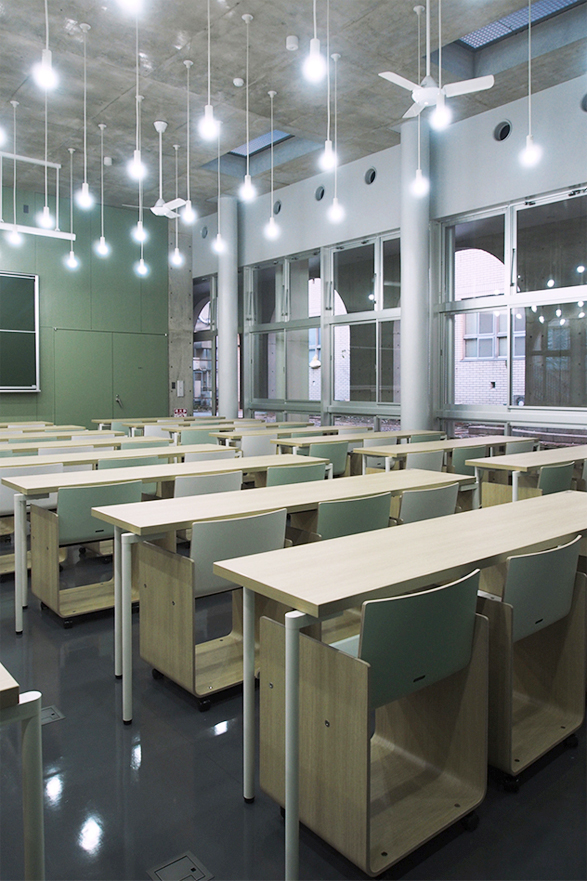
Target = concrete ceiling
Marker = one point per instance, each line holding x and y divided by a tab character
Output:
371	35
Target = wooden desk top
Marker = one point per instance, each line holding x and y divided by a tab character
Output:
91	456
349	437
271	428
324	577
147	518
25	423
150	420
534	459
41	484
39	429
96	439
9	689
490	440
39	434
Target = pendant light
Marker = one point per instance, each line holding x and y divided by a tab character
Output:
135	167
328	158
131	5
102	247
44	218
531	153
420	185
71	260
83	197
140	234
271	229
43	73
218	245
14	237
188	215
247	191
314	66
176	258
208	126
441	116
336	211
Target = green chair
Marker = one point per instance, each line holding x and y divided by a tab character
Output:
220	453
430	436
156	431
5	452
379	442
335	452
118	426
425	504
556	478
203	484
350	516
198	435
74	510
396	716
460	456
426	461
258	445
25	439
149	489
512	447
536	657
303	451
278	475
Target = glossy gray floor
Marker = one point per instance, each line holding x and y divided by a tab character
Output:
122	799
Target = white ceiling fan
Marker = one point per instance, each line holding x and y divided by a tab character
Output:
162	208
428	93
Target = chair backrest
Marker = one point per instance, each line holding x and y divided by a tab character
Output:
74	508
21	426
336	452
350	516
556	478
129	463
202	484
430	436
255	445
519	447
4	451
379	441
118	426
7	494
540	587
155	431
428	461
26	439
460	456
214	540
141	444
63	451
415	640
278	475
198	435
221	453
424	504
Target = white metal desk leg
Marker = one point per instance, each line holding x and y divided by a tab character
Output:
20	567
388	462
117	602
515	476
477	490
363	464
126	541
248	694
294	621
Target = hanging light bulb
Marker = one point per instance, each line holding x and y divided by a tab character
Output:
14	237
336	211
188	215
45	219
131	5
271	230
441	116
139	232
135	167
328	158
43	73
176	257
101	247
218	245
420	185
141	267
314	66
71	260
83	196
247	191
531	153
208	126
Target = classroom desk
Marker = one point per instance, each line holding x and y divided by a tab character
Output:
491	441
66	433
237	434
140	522
28	487
523	463
297	441
96	439
324	578
29	424
19	430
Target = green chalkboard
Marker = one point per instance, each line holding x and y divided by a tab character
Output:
18	333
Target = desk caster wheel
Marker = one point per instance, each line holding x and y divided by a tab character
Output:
470	821
204	704
572	741
511	783
156	674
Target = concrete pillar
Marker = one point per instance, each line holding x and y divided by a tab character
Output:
227	309
416	392
181	323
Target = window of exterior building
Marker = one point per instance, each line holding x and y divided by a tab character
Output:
353	274
552	245
204	357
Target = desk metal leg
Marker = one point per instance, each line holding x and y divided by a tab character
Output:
20	567
117	602
515	476
248	694
28	713
388	462
294	621
363	464
126	541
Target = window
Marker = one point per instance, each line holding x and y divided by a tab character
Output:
19	355
552	245
353	272
391	274
485	334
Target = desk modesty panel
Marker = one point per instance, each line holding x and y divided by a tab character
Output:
326	577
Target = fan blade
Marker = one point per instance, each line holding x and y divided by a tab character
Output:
465	87
171	214
159	210
414	110
175	203
398	80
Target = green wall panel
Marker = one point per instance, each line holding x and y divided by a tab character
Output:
140	374
154	287
46	397
83	376
116	289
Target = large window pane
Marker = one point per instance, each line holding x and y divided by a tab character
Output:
389	361
267	357
354	362
303	366
305	287
267	280
353	270
480	374
554	367
552	245
391	274
478	257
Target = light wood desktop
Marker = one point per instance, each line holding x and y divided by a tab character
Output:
389	453
522	467
299	441
141	522
321	579
81	440
59	433
40	429
227	437
70	602
28	424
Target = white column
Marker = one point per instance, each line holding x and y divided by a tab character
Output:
227	310
416	395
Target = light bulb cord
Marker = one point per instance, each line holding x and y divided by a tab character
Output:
440	44
85	110
46	24
71	195
271	97
530	68
335	126
46	141
218	212
14	106
102	181
328	70
176	148
188	133
315	22
247	95
208	51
